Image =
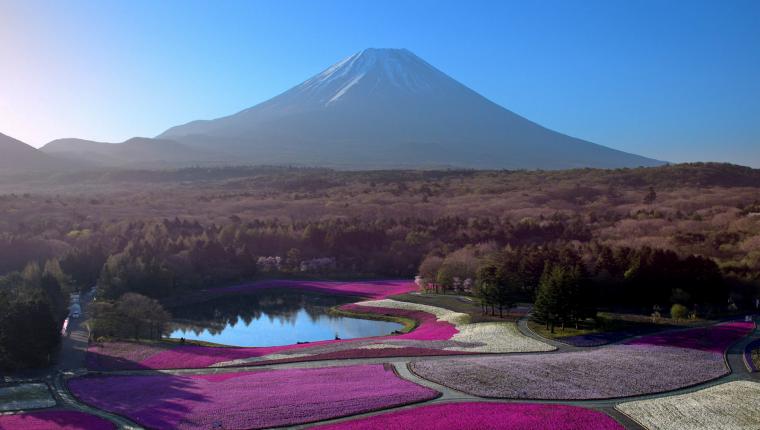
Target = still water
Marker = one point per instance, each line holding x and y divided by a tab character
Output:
270	318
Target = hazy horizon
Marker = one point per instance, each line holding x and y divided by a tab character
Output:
674	82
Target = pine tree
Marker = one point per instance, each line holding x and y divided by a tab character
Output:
548	306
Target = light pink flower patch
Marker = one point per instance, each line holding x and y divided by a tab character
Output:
484	416
653	364
249	399
54	420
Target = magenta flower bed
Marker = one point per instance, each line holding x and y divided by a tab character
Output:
484	416
135	356
428	327
715	338
371	353
244	400
645	366
122	355
371	289
54	420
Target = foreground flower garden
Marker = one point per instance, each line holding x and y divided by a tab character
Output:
484	416
242	400
646	365
54	420
729	406
495	360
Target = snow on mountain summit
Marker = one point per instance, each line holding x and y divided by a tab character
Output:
378	69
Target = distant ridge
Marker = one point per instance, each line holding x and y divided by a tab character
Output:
135	152
17	156
387	108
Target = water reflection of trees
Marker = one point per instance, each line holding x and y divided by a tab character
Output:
283	306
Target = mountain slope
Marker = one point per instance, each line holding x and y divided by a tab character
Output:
16	155
389	108
135	152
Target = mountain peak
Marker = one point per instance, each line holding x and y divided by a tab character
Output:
374	69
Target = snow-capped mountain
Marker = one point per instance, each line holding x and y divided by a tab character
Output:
389	108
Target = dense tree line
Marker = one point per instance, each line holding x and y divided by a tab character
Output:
33	306
568	282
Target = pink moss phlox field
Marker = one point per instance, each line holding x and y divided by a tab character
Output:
377	353
239	400
715	338
118	355
54	420
645	366
428	327
484	416
122	355
379	289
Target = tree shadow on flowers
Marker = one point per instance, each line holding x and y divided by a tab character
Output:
155	401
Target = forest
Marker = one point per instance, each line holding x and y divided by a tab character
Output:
633	239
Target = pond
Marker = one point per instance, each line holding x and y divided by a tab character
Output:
271	318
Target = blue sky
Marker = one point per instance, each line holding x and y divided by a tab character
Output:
674	80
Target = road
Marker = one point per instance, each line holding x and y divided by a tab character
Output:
74	343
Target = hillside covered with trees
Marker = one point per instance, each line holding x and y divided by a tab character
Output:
633	239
